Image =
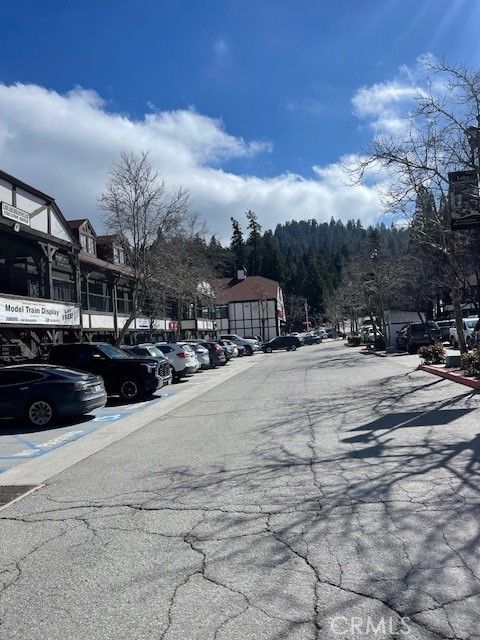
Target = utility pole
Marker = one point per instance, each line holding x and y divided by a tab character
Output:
307	324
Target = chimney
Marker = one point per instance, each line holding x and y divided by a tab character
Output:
241	273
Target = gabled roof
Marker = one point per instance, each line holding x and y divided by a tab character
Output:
252	288
74	224
43	196
109	239
104	264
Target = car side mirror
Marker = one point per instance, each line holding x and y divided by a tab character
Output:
97	356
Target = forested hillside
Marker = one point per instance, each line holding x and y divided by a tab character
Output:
306	257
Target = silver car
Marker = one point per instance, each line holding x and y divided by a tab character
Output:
202	354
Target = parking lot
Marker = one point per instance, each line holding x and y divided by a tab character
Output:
19	443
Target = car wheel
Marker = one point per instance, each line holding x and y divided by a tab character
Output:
40	413
293	347
130	390
268	349
248	351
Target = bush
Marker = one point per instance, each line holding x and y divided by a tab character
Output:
433	354
354	341
471	363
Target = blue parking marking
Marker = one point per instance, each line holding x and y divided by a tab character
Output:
27	443
73	432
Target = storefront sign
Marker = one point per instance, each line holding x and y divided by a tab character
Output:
34	312
13	213
464	199
142	323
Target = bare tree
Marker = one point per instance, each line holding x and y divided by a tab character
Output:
140	205
438	138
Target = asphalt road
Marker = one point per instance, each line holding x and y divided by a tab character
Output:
320	494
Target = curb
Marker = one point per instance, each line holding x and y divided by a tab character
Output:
454	376
371	352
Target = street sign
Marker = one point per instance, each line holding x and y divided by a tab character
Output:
464	199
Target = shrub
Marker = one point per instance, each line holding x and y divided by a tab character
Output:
471	363
354	341
433	354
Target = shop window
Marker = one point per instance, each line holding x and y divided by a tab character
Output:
63	279
25	276
88	243
99	298
221	313
124	301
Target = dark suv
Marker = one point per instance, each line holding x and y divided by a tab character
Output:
419	334
290	343
151	351
132	378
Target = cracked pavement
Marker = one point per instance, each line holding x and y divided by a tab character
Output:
320	494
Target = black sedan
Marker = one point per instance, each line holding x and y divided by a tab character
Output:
40	394
290	343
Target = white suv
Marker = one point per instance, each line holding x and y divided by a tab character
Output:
183	363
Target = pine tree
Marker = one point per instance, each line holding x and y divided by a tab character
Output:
254	257
237	244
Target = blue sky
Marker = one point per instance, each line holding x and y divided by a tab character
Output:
256	89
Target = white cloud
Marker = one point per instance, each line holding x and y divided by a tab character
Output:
64	144
385	104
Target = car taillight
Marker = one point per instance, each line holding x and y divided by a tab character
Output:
182	355
218	348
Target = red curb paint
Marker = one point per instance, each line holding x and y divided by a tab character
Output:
451	375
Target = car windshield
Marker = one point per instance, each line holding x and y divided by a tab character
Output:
113	352
471	323
155	352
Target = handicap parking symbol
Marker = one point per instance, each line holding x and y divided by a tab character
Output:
111	418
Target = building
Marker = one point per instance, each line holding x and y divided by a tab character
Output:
59	281
39	272
252	306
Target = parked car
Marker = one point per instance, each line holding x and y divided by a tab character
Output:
151	351
216	353
250	345
469	325
239	348
445	326
132	378
41	394
182	363
290	343
189	350
321	333
311	338
228	348
414	335
202	354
